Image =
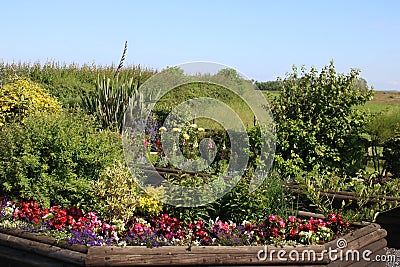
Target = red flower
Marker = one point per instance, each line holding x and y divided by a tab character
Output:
294	233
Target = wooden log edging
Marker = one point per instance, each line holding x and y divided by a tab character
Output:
371	237
44	239
34	249
172	172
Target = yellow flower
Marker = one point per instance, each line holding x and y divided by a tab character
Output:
22	96
176	130
149	202
186	136
163	129
200	129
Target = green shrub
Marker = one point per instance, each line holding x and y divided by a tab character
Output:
51	158
384	131
118	196
188	214
21	97
319	122
271	198
318	186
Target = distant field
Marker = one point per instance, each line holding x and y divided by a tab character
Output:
384	101
390	98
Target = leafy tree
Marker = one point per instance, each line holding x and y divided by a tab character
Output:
268	85
361	84
318	123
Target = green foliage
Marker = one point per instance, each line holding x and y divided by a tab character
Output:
118	195
110	101
384	125
268	85
383	130
318	188
324	234
188	214
20	97
271	197
318	122
68	82
51	158
190	146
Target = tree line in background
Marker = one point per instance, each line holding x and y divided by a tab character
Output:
360	84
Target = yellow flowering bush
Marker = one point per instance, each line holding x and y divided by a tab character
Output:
149	201
21	97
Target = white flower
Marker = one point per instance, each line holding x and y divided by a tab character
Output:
194	125
176	130
200	129
163	129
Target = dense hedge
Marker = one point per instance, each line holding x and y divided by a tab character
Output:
51	157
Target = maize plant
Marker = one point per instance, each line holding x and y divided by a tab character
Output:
111	99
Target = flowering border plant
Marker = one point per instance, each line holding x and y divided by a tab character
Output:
87	229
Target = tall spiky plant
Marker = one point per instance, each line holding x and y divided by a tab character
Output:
111	98
121	62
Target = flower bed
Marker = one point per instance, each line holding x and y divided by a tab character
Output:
76	227
60	236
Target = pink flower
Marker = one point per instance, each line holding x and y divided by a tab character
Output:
273	218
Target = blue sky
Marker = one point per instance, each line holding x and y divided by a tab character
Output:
261	39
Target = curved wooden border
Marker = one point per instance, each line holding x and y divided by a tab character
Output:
370	237
31	249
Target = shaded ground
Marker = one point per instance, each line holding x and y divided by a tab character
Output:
392	251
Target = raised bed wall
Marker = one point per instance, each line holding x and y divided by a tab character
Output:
18	248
